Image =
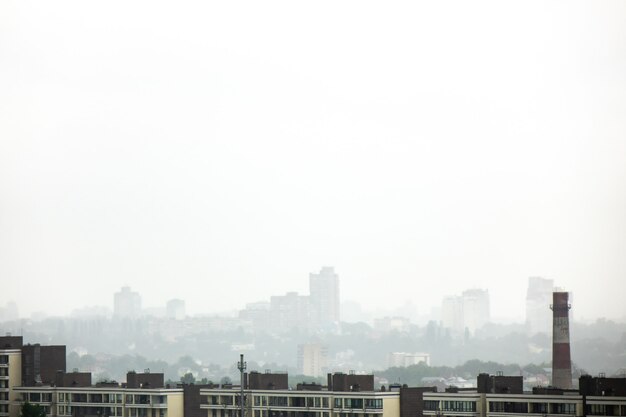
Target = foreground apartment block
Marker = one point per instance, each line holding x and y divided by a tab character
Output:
36	374
268	395
503	396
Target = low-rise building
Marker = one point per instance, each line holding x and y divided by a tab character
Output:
503	396
347	396
76	397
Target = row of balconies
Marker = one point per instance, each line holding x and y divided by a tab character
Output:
82	404
288	408
97	399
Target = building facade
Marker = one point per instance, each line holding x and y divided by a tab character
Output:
538	300
126	304
346	396
324	298
502	396
313	359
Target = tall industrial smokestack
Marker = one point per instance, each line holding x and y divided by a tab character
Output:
561	356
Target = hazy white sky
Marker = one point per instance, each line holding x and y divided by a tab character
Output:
204	149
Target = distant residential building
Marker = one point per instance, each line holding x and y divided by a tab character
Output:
452	315
312	359
476	309
289	311
390	324
324	298
126	304
538	300
316	312
176	309
405	359
466	313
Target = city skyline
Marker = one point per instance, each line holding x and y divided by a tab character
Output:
535	314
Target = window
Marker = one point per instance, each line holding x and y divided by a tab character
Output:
430	405
4	359
539	408
297	402
325	402
338	403
563	408
374	403
462	406
596	409
277	401
318	402
507	407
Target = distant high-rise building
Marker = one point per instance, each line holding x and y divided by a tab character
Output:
452	315
258	314
312	359
538	298
476	309
126	304
324	298
289	311
176	309
466	313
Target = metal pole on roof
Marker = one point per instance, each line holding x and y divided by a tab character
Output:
241	365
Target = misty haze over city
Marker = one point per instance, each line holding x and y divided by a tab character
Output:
412	193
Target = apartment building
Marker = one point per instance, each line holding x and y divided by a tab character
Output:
36	374
74	395
346	395
10	374
503	396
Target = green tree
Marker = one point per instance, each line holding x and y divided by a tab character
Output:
32	410
188	378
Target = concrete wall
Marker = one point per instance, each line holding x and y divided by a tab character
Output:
412	400
391	406
15	380
43	361
175	405
257	380
144	380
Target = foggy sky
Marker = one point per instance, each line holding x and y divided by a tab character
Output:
220	152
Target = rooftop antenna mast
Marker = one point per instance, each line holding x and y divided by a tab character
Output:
241	365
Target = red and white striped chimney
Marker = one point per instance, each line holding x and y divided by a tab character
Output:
561	356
